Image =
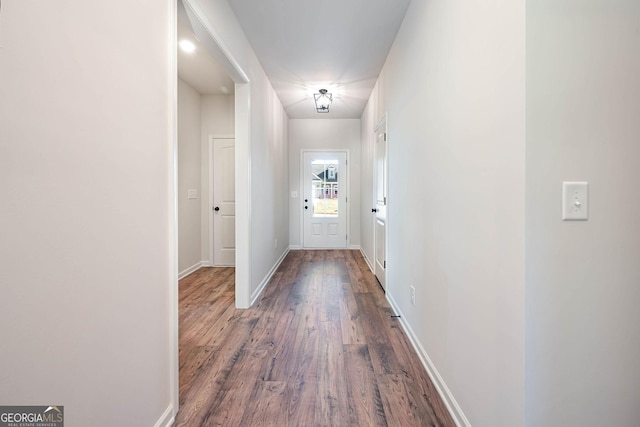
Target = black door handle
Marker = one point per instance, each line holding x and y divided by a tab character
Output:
216	209
306	207
306	200
374	210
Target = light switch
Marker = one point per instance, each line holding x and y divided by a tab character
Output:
575	201
294	194
192	194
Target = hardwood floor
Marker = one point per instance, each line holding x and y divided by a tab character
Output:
319	349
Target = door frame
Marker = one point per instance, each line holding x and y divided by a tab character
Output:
205	30
383	123
210	161
301	190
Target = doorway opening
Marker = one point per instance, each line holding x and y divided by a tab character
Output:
191	16
190	11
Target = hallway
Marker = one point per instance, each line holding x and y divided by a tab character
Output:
320	348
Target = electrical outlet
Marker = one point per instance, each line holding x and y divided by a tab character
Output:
275	244
412	291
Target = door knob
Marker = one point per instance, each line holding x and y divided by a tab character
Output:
374	210
306	200
216	209
306	207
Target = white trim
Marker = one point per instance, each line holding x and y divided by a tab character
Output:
323	249
195	267
167	418
210	207
256	294
243	195
172	123
354	247
447	397
347	184
366	259
236	72
295	247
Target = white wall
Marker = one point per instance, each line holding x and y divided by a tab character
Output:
87	246
583	99
453	89
269	179
218	120
199	116
189	159
326	134
261	145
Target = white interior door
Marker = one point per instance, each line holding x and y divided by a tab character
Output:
324	199
224	202
380	210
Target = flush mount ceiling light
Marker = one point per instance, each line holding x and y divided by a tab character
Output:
323	101
187	45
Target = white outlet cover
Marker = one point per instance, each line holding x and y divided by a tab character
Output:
575	201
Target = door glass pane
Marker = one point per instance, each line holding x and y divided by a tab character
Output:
324	187
380	178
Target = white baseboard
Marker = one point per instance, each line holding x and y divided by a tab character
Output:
447	397
298	247
256	294
366	260
187	271
167	419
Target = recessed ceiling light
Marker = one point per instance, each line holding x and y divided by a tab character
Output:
187	46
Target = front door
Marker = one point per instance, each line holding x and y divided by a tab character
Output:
224	202
324	207
380	188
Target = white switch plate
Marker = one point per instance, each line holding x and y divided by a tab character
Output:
575	201
294	194
192	194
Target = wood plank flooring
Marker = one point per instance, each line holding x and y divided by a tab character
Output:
319	349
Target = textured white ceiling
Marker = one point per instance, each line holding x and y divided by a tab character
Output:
304	46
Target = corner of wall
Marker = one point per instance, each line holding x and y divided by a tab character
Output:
167	418
445	393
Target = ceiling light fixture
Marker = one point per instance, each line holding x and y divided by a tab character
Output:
323	101
187	46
